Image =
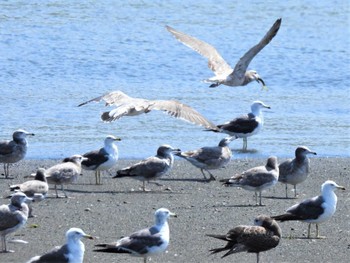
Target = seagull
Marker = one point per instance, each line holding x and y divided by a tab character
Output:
245	125
152	167
102	159
256	179
13	217
224	74
15	150
263	236
66	172
295	171
146	242
71	252
35	189
314	210
210	158
128	106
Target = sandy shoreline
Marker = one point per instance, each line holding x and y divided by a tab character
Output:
118	208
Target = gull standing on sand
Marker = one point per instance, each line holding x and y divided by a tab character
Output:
314	210
210	158
102	159
146	242
36	189
71	252
224	74
15	150
65	173
295	171
256	179
151	168
128	106
263	236
245	125
13	217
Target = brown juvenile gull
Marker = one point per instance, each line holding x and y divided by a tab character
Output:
15	150
256	179
210	158
66	172
295	171
246	125
128	106
151	168
102	159
35	189
146	242
224	74
71	252
13	217
263	236
314	210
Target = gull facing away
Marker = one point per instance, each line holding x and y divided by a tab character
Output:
65	173
224	74
146	242
102	159
263	236
314	210
13	217
210	158
71	252
151	168
15	150
256	179
36	189
295	171
246	125
128	106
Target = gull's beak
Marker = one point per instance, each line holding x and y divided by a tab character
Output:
117	139
260	80
173	214
340	187
88	236
176	151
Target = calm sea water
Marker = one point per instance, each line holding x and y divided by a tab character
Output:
57	54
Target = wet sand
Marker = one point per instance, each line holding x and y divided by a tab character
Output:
118	208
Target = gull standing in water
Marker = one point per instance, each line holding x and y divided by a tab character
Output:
256	179
15	150
146	242
314	210
210	158
263	236
102	159
246	125
151	168
128	106
224	74
295	171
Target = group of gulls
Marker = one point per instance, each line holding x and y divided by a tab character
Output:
265	234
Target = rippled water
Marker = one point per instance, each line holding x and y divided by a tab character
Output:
57	54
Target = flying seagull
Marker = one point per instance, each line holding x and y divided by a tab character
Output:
314	210
246	125
102	159
151	168
256	179
71	252
146	242
263	236
128	106
295	171
13	217
15	150
224	74
210	158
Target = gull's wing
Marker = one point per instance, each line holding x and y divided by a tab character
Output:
7	147
182	111
215	62
112	98
244	61
8	218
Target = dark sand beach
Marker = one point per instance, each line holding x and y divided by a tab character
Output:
118	208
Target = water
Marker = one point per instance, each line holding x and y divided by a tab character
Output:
57	54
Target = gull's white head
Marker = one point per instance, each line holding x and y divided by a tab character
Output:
162	214
111	139
75	234
330	185
21	134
